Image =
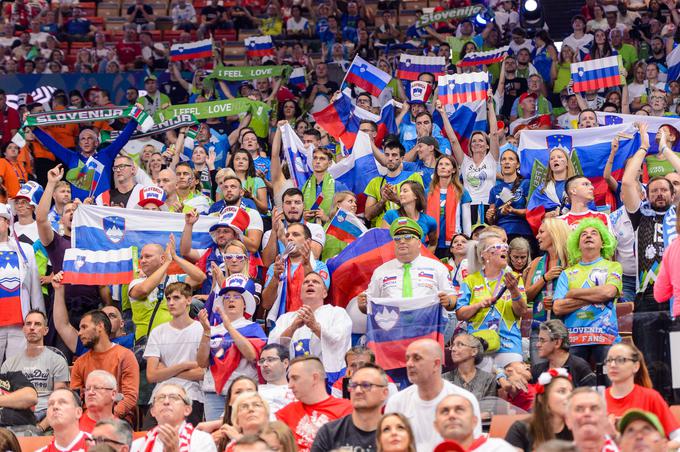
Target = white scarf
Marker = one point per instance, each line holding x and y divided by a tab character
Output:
185	432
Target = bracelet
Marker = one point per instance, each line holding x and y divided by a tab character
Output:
206	335
643	149
517	298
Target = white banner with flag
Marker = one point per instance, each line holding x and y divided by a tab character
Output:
110	228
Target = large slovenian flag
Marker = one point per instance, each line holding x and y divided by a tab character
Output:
298	157
98	228
653	124
367	77
191	50
259	46
99	268
593	75
481	58
393	324
225	356
411	66
590	151
463	88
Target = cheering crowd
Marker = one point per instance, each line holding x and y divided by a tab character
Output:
331	244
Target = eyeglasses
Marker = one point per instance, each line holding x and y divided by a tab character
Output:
270	360
404	237
170	397
542	340
97	388
619	360
102	440
352	386
121	167
462	344
496	247
234	257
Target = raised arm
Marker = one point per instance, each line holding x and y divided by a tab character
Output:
45	231
62	324
458	153
631	175
195	275
185	241
493	127
611	182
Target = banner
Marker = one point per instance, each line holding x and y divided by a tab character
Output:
220	109
89	115
185	120
109	228
445	16
297	156
238	73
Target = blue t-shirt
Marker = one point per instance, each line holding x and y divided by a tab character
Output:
513	224
425	171
218	143
426	222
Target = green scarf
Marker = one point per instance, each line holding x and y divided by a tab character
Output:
445	16
327	191
185	120
238	73
222	108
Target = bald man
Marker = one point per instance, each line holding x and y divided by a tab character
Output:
418	402
455	420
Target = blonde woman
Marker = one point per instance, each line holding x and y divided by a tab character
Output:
279	437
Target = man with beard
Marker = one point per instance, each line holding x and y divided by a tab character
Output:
95	331
383	191
647	219
125	191
291	211
232	195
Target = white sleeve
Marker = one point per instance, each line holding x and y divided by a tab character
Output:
255	221
265	238
142	178
444	283
202	442
152	349
282	323
318	234
336	328
33	279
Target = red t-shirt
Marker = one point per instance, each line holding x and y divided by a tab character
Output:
86	423
643	399
78	445
128	51
9	119
525	399
573	219
306	420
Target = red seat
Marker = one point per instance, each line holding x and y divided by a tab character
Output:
500	424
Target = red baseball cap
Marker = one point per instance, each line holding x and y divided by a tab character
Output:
526	95
449	445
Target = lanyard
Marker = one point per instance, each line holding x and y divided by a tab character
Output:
21	177
498	280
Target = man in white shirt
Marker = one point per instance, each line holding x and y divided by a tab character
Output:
418	402
579	40
273	362
316	328
25	203
455	420
172	349
170	407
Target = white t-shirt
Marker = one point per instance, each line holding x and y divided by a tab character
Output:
420	413
172	346
244	367
579	45
335	340
495	445
277	396
200	442
567	121
292	25
479	180
30	230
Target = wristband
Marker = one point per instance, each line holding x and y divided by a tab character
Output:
517	298
544	280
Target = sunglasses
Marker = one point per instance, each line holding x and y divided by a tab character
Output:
497	247
404	237
234	257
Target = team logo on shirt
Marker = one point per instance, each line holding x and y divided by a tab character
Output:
387	317
389	280
114	228
425	275
598	276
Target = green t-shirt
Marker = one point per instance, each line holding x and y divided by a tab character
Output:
563	77
658	167
375	185
143	308
629	55
457	44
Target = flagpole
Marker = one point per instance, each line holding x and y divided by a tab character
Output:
346	73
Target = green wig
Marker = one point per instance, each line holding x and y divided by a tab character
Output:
608	240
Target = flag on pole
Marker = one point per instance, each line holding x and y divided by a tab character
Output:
463	88
259	46
297	78
593	75
410	66
480	58
673	63
343	229
298	157
367	77
99	268
191	50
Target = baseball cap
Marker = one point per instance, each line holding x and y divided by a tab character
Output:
235	218
31	191
634	415
449	445
526	95
150	77
239	283
405	225
151	194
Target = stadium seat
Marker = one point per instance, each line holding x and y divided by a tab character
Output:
624	316
33	443
108	9
500	423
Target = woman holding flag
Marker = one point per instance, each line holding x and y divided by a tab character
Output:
231	347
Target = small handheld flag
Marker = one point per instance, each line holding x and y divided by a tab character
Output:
410	66
297	78
463	88
594	75
191	50
94	268
480	58
367	77
259	46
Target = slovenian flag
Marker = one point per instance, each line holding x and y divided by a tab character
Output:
653	125
99	268
673	64
225	356
297	156
297	78
344	228
593	75
465	119
259	46
191	50
463	88
393	324
410	66
480	58
589	150
367	77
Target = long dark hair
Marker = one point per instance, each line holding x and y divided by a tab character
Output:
419	192
595	51
540	427
250	172
455	177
